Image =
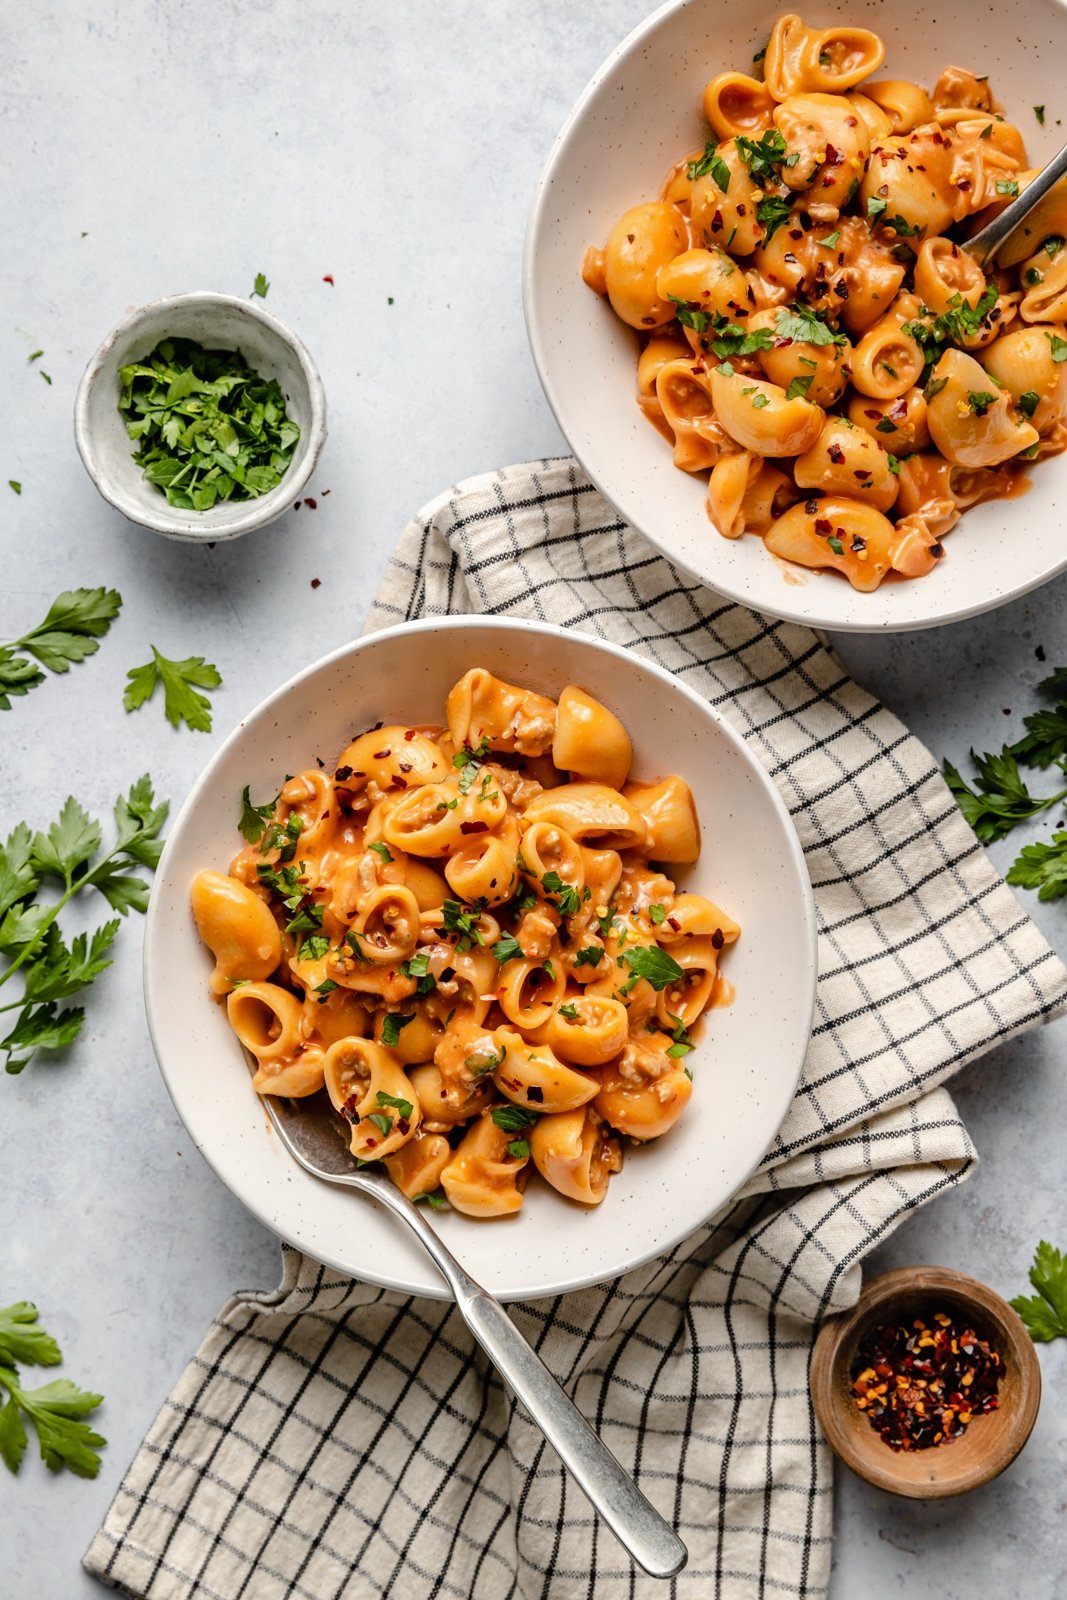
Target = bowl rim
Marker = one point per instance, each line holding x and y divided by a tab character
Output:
427	627
629	45
174	522
839	1333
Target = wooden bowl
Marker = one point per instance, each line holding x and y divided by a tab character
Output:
990	1443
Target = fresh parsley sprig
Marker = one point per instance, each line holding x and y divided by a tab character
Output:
56	1411
76	620
30	937
1000	799
1045	1314
1042	866
180	680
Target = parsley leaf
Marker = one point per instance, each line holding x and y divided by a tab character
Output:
591	956
980	401
710	162
394	1021
519	1149
1045	740
804	326
381	850
798	387
260	287
254	819
764	156
568	899
30	936
513	1119
21	1340
1029	402
55	1411
507	949
405	1107
314	948
732	340
181	702
771	212
657	913
458	920
1000	800
76	619
14	485
1008	186
1043	867
654	964
435	1199
1045	1314
1059	347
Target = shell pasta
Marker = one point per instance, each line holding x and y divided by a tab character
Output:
464	935
814	336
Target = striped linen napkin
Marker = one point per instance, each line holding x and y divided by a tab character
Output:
332	1439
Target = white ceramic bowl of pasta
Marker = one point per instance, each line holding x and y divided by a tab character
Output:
639	115
745	1067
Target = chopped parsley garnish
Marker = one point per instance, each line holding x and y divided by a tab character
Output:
876	205
417	967
479	1065
710	163
326	987
759	399
771	213
314	948
383	1123
405	1107
381	850
435	1199
519	1149
901	227
831	239
657	913
690	315
568	898
732	340
1059	346
654	964
1053	245
394	1021
682	1042
591	956
513	1119
836	546
570	1012
462	922
308	919
980	401
254	819
208	428
1029	402
507	949
607	923
1007	186
764	156
804	326
798	387
1039	113
954	325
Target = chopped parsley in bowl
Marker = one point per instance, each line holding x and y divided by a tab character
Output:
208	427
200	416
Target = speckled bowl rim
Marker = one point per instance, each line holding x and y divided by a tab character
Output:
761	597
173	522
158	972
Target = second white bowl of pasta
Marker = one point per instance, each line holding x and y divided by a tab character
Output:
528	913
781	367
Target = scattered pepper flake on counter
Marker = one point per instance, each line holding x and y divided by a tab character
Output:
922	1384
316	583
327	277
312	505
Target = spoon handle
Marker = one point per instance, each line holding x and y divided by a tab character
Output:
633	1519
988	240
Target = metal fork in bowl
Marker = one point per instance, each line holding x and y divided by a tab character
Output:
983	245
310	1131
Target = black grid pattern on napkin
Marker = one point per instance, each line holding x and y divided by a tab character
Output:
338	1440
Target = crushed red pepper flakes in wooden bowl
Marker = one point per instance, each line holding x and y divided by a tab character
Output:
886	1381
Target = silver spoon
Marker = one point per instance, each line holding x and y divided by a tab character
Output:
311	1133
988	240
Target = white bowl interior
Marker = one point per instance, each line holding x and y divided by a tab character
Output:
640	114
745	1069
219	322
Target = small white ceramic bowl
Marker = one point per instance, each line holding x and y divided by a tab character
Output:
745	1067
640	114
216	321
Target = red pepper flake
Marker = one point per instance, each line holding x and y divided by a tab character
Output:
312	505
315	582
380	755
327	277
324	492
823	525
297	505
717	940
922	1383
474	827
862	473
811	506
343	774
409	734
836	454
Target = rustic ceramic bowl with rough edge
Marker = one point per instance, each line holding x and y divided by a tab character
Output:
989	1444
216	321
747	1059
639	115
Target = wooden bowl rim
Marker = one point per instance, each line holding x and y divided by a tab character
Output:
1014	1423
